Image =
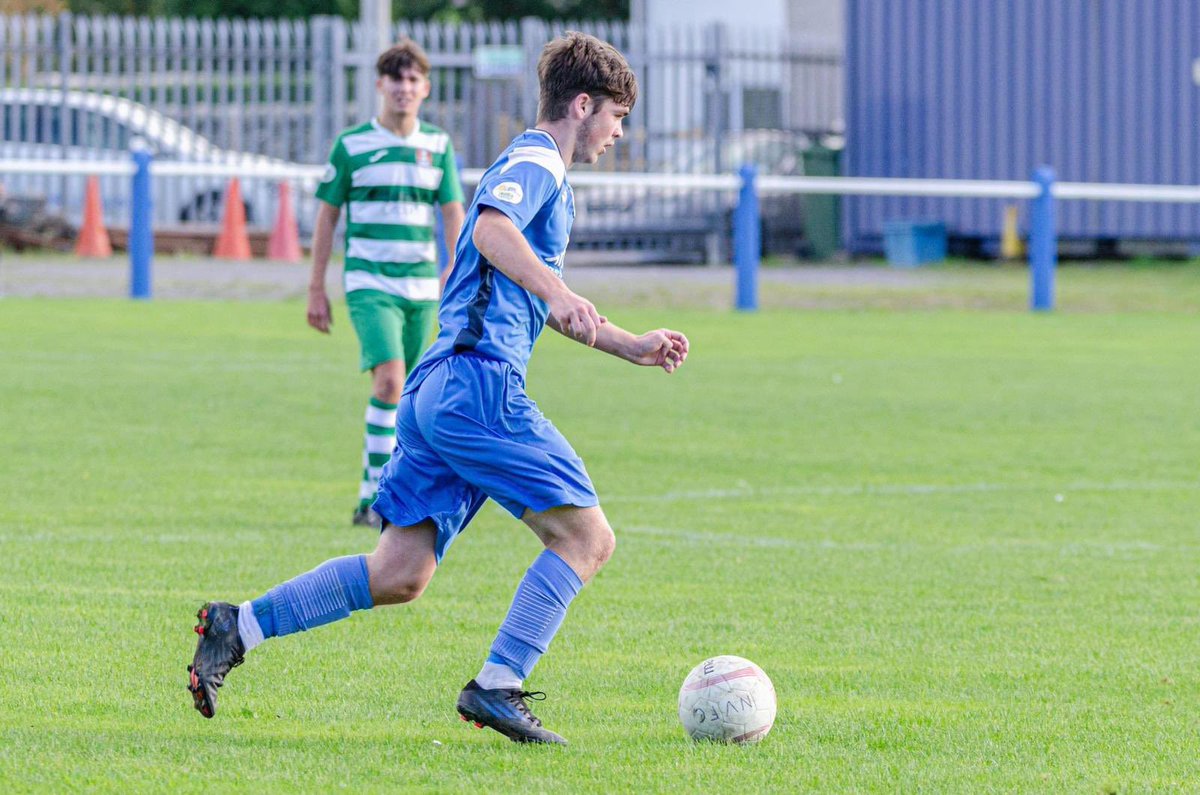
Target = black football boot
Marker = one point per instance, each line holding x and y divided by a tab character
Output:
365	516
505	711
218	650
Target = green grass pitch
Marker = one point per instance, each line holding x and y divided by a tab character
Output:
964	545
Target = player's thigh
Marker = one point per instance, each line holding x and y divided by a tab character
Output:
378	321
403	562
418	484
420	317
475	414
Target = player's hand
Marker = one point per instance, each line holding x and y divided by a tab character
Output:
319	316
660	348
576	317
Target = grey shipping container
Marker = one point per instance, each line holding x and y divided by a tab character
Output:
1102	90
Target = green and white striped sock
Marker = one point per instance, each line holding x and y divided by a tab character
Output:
378	444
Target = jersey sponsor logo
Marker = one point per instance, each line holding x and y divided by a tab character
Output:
330	173
508	192
380	155
556	263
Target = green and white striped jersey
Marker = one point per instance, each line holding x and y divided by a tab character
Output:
390	186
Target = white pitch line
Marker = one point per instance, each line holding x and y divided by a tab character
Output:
746	491
743	541
1107	548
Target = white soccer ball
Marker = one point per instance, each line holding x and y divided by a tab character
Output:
727	699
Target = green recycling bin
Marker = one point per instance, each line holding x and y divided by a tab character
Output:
822	212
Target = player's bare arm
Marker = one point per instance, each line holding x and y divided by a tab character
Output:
499	240
319	316
453	216
658	348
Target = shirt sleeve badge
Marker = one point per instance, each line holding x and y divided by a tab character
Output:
509	192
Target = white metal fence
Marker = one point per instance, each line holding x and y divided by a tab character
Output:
283	88
280	90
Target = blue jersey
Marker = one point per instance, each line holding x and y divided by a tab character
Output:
483	311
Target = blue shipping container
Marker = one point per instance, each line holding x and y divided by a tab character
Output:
1102	90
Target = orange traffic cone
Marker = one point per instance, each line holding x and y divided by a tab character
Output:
284	243
93	240
233	242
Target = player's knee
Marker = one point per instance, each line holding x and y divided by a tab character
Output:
602	544
608	543
398	588
408	590
388	387
387	380
398	574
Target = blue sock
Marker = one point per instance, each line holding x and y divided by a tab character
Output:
327	593
537	612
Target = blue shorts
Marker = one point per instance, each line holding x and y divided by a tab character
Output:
469	432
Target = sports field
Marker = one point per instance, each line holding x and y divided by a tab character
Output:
964	543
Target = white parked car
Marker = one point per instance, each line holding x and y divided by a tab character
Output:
39	123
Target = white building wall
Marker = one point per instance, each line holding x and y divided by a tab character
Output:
743	14
824	18
816	26
685	94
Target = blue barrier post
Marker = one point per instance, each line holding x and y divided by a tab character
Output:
1043	242
439	239
141	229
747	243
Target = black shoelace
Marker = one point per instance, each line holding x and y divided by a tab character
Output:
517	699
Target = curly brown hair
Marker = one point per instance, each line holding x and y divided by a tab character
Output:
576	63
404	54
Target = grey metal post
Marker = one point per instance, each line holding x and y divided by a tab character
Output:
375	25
638	13
534	35
65	56
326	121
376	16
717	110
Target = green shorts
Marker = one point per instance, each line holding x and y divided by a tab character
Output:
390	327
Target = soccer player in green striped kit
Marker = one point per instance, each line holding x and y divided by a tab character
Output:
390	174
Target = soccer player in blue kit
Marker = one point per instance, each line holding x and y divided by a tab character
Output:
466	430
